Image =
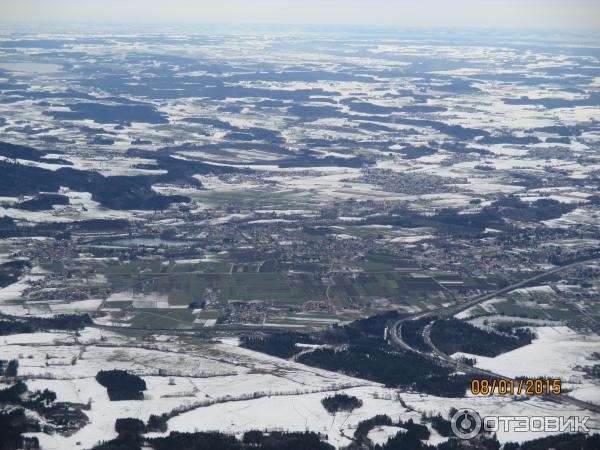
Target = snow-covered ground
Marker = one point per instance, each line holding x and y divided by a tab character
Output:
380	435
557	352
224	387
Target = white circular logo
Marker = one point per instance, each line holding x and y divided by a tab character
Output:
466	423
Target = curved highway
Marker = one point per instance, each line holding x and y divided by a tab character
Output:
395	334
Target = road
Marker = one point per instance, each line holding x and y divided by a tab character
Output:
452	310
562	398
395	335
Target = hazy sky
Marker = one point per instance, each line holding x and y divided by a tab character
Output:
419	13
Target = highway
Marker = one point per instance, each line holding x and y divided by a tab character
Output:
395	335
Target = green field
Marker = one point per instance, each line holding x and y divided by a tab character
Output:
241	275
513	309
256	198
163	318
391	285
184	288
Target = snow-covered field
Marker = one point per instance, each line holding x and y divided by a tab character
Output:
557	352
221	386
